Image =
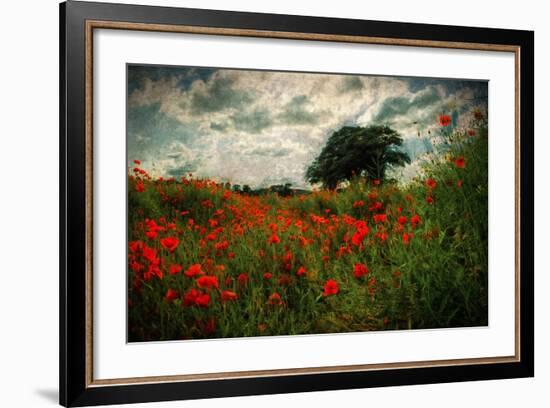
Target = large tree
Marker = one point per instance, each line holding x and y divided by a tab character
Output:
366	151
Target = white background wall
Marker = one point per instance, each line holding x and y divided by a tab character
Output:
29	204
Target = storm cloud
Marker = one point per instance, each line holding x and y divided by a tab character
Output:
217	95
298	112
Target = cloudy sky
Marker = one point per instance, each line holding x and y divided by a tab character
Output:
262	128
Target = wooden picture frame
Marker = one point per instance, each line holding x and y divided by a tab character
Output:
78	20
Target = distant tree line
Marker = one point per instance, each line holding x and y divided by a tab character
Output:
283	190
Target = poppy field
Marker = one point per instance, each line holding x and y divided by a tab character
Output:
208	261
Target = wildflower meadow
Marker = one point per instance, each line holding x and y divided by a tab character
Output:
208	260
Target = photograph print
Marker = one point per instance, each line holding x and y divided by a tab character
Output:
265	203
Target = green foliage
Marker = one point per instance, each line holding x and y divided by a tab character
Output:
357	151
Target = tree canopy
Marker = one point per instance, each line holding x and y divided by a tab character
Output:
357	151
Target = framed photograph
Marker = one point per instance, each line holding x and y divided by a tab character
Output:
256	204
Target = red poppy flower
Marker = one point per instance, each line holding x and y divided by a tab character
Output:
153	226
203	300
274	299
301	271
207	282
415	220
151	234
273	239
228	295
170	243
287	257
136	266
194	270
154	270
137	162
361	226
373	195
460	162
358	203
431	183
402	220
360	270
376	182
382	236
377	206
358	237
459	183
220	246
407	238
429	199
149	253
379	218
267	275
330	288
190	297
171	295
444	120
135	246
140	187
471	132
175	269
